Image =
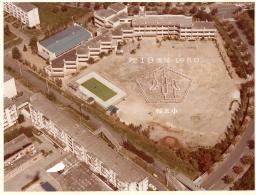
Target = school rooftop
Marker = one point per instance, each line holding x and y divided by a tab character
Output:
66	39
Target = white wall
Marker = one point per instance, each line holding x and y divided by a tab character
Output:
10	88
33	18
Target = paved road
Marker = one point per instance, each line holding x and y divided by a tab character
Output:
234	156
219	184
41	85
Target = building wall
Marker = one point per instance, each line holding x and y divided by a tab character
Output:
33	18
45	53
30	18
10	116
29	149
10	88
42	122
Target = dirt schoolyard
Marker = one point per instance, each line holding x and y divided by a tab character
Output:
202	115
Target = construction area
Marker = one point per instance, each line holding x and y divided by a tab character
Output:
180	89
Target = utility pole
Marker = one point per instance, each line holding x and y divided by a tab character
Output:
20	69
81	111
47	86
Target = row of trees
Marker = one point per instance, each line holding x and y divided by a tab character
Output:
7	31
244	61
204	158
138	152
236	52
246	24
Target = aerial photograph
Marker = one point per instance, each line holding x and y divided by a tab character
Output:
128	96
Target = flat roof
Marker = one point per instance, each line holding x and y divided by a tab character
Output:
59	61
7	77
64	120
66	39
7	102
202	25
154	20
93	43
26	6
117	7
119	16
16	144
105	13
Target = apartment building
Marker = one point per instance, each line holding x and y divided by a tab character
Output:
10	90
17	148
75	138
27	13
10	115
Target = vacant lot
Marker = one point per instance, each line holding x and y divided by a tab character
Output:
202	115
96	87
52	17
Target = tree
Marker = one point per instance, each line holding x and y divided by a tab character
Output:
21	118
214	11
16	53
193	10
25	48
64	8
91	60
138	45
51	96
238	169
55	9
86	117
133	51
246	160
7	30
96	6
227	179
251	144
102	54
58	82
33	44
87	4
106	4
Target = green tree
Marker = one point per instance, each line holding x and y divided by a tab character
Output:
64	8
16	53
214	11
91	60
33	44
21	118
25	48
193	10
7	30
227	179
51	96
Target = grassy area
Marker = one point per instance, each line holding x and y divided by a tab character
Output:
9	135
11	40
32	32
10	19
51	15
99	89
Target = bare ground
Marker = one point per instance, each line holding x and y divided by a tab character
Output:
202	116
